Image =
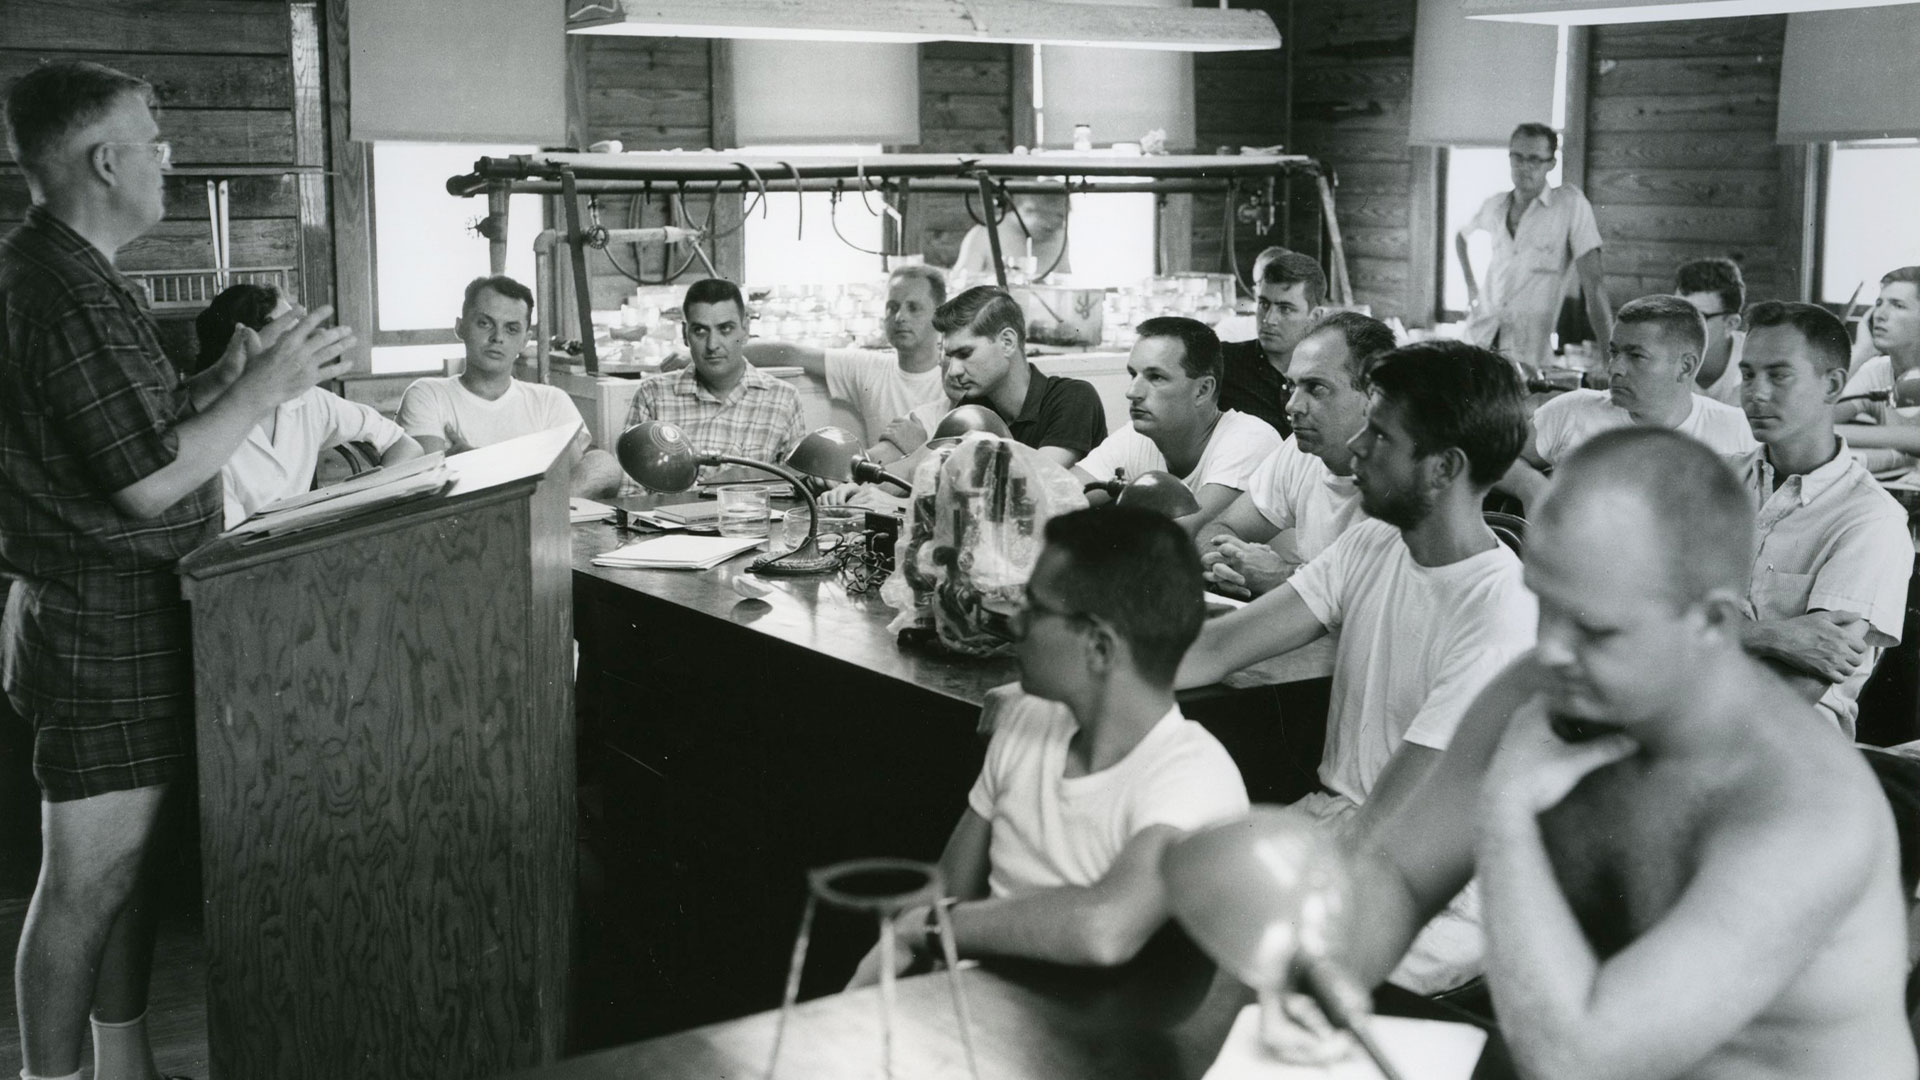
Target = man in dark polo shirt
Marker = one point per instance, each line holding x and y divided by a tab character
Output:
984	339
1289	292
109	468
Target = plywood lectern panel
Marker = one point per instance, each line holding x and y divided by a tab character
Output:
385	749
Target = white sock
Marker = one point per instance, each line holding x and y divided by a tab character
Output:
120	1051
25	1075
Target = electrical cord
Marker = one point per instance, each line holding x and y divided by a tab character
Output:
833	218
799	200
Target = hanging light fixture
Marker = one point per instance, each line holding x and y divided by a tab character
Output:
1601	12
1012	22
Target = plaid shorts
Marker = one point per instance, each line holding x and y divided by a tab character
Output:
80	757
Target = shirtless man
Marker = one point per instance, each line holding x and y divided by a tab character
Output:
1686	871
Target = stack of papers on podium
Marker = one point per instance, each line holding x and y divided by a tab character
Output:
678	552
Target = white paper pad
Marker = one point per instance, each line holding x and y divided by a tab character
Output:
678	552
579	510
1421	1049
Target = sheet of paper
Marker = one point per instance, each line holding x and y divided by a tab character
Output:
579	510
678	552
1420	1049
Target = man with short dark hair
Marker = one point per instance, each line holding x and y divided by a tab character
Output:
109	468
1427	602
485	404
1289	290
1715	288
1686	870
1176	424
881	386
984	339
1538	233
723	404
1886	434
1092	770
1831	554
1305	488
1655	352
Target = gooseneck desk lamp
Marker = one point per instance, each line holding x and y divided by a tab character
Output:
1269	897
658	457
964	420
1156	490
833	454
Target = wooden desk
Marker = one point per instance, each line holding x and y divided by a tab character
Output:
728	745
1164	1017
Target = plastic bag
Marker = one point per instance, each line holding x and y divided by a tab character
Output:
973	535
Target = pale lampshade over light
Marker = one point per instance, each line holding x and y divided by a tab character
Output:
1454	102
1851	75
1606	12
1012	22
1120	95
825	92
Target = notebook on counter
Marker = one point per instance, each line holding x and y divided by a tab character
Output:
678	552
692	514
1422	1049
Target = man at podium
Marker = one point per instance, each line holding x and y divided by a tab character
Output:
108	475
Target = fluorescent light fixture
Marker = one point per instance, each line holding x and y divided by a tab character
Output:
1605	12
1015	22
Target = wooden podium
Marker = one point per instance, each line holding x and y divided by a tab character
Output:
386	757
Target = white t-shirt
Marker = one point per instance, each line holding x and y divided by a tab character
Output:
1050	830
1726	388
1417	643
872	382
265	470
1294	490
1564	423
1877	374
431	405
1238	446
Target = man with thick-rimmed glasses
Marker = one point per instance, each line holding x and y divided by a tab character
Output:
109	466
1538	232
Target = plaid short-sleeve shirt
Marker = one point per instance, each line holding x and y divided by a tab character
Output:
95	626
760	418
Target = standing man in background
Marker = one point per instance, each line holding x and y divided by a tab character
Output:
1538	232
108	475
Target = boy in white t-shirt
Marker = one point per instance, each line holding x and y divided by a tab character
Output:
880	385
1885	434
1092	770
1656	350
1177	425
1428	604
485	404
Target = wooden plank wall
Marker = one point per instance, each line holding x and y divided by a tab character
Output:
966	106
650	94
1240	99
222	76
1681	161
1352	84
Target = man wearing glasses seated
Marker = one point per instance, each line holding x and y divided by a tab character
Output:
1092	769
1538	232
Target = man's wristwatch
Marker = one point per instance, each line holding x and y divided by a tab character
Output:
930	934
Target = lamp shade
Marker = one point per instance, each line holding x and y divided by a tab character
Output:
964	420
1160	492
828	453
1850	75
1454	102
826	92
1119	94
1261	894
658	456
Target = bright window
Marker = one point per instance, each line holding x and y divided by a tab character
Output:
1110	239
1866	232
426	250
778	252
